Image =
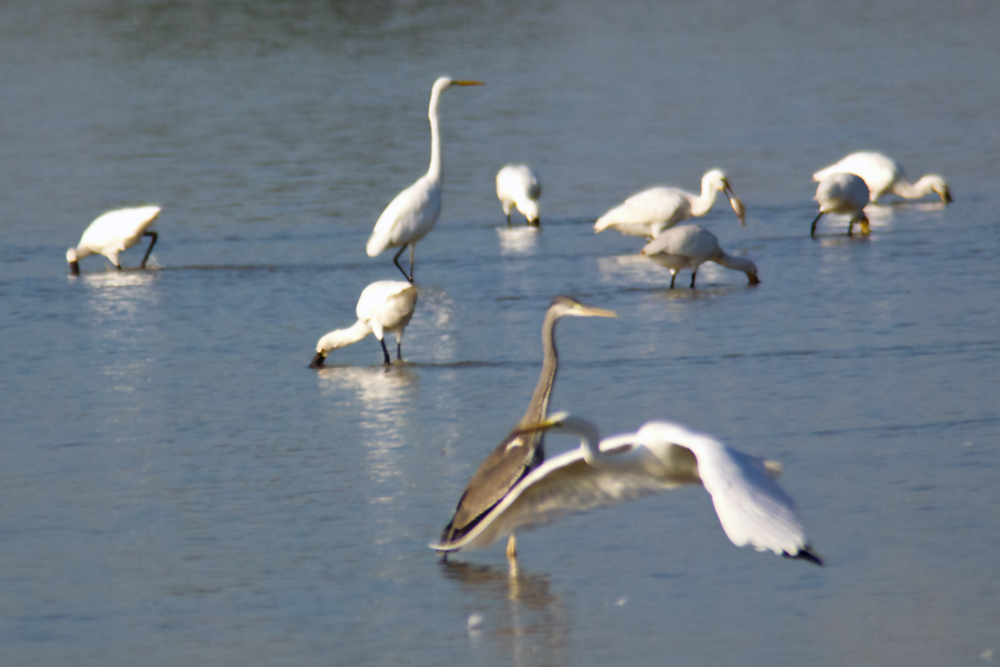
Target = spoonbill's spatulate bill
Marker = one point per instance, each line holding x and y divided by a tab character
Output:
690	246
883	176
845	193
521	451
649	212
384	307
518	186
753	510
114	232
412	214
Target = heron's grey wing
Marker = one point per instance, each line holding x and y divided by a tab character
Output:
564	483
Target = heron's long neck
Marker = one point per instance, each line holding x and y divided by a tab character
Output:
543	390
434	171
701	204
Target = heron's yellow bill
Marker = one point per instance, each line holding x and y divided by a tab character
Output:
590	311
467	83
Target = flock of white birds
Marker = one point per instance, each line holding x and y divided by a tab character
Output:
751	507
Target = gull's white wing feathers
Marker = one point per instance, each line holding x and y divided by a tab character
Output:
564	483
752	508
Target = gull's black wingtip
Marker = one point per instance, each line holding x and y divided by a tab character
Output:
806	554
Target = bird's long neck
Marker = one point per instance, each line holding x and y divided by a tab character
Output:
701	204
543	390
737	264
907	190
434	171
342	337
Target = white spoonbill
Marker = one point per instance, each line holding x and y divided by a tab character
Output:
385	306
649	212
517	185
112	233
521	450
690	246
840	192
412	214
883	176
753	509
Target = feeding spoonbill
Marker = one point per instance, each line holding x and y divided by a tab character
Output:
690	246
385	306
412	214
651	211
840	192
520	451
517	185
883	176
753	510
112	233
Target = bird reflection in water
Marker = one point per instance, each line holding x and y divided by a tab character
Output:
528	622
386	394
517	240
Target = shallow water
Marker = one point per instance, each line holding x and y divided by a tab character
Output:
177	487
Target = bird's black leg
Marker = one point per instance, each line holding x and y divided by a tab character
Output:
508	219
153	235
850	227
812	230
385	352
694	274
413	249
399	350
673	277
395	260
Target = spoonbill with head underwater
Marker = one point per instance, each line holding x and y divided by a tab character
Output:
114	232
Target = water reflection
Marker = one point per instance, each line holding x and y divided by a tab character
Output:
520	615
631	268
386	394
517	240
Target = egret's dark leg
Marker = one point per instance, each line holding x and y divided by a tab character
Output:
385	352
399	350
153	235
508	219
673	277
812	230
694	274
395	260
412	261
850	227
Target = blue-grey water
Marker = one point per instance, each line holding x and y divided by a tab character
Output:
177	488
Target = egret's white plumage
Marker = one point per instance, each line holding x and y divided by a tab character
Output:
841	192
651	211
690	246
518	185
752	508
412	214
384	307
112	233
883	176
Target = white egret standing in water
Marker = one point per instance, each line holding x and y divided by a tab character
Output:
841	192
753	510
651	211
883	176
384	307
690	246
112	233
412	214
518	185
521	451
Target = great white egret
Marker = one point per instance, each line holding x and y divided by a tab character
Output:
753	509
412	214
841	192
517	185
112	233
651	211
690	246
883	176
385	306
520	451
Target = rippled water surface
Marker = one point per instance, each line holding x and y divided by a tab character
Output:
176	487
